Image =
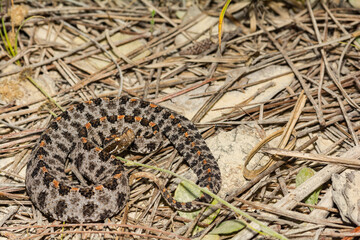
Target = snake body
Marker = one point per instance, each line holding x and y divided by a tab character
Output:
79	134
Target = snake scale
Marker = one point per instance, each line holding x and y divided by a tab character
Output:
80	135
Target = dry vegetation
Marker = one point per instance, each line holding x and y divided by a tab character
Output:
285	64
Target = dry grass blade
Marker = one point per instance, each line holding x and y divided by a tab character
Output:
313	157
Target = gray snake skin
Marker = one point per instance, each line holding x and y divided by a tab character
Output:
79	134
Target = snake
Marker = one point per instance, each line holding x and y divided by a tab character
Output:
87	135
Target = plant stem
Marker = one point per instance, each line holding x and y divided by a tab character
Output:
43	92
